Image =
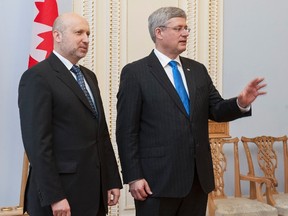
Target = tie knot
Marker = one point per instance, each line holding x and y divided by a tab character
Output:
173	63
75	69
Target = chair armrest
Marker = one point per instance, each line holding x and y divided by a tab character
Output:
256	191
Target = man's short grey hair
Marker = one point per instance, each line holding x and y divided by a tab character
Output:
58	24
161	16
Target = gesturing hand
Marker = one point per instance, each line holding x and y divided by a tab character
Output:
251	92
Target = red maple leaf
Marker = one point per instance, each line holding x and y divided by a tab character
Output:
47	43
48	11
31	61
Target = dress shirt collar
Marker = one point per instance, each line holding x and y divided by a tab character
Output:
65	61
164	60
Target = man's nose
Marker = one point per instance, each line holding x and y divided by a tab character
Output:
185	32
86	38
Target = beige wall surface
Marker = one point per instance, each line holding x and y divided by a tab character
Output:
121	36
139	43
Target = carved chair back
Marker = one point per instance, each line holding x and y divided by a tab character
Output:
220	164
267	158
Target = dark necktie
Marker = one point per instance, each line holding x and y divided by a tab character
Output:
80	79
179	86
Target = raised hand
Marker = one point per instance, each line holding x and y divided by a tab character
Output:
251	92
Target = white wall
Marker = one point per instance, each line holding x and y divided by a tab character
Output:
16	19
256	44
16	25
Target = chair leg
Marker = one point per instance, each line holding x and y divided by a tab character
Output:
24	179
211	205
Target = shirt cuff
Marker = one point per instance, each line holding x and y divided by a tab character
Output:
243	109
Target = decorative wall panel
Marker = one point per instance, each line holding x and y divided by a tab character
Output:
117	29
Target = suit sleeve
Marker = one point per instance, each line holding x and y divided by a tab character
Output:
110	173
222	110
35	106
112	178
127	125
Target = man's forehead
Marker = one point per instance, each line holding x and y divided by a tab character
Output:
177	19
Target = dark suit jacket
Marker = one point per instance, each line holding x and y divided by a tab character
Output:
67	146
156	138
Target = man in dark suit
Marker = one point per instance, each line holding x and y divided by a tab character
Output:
162	135
73	170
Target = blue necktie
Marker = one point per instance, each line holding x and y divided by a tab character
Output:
179	86
80	79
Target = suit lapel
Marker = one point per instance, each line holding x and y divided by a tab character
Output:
158	71
67	78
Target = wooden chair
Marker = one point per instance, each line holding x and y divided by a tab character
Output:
219	203
18	210
267	163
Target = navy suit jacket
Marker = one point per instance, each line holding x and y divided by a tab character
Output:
156	138
69	149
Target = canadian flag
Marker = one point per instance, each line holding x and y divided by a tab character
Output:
42	39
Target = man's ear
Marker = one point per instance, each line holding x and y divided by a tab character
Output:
158	33
57	36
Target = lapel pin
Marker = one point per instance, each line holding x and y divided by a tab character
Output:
188	69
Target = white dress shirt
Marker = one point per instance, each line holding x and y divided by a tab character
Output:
164	60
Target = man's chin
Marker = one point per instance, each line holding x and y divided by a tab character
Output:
182	49
82	54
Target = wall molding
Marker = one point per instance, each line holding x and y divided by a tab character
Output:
109	52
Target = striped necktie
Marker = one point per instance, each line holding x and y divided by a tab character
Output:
80	79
